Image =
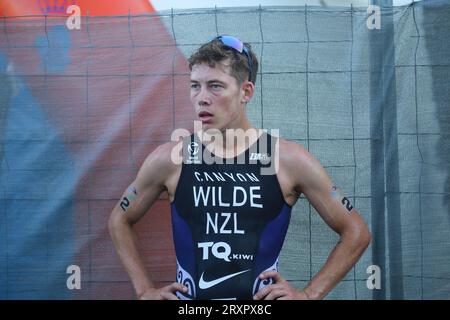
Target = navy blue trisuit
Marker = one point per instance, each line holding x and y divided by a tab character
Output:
229	221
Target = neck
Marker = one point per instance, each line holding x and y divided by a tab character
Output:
233	140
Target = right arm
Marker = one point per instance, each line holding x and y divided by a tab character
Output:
134	203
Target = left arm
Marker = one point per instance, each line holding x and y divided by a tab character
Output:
311	179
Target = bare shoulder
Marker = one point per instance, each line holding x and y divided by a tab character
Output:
298	168
293	155
164	151
162	162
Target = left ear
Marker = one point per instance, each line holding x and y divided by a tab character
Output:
248	88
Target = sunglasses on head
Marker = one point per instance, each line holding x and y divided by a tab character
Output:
239	46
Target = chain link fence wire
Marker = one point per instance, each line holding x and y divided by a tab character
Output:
81	109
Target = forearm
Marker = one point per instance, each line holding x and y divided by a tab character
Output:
343	257
127	247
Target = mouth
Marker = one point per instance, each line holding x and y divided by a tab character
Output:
205	116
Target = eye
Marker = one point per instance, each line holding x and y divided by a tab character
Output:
195	86
216	86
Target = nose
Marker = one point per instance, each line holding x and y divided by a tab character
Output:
203	98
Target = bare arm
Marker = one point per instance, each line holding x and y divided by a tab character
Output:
340	215
310	178
133	205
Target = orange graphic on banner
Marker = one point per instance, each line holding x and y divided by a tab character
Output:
10	8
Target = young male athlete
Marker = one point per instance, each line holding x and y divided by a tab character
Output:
231	197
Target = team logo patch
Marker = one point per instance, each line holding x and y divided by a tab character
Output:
193	148
192	157
260	156
203	284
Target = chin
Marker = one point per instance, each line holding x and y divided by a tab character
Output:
210	126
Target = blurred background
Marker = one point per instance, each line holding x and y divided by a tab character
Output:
80	109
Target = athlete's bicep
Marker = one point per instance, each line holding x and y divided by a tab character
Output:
144	190
137	200
331	204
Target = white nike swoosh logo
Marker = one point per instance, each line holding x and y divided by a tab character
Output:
208	284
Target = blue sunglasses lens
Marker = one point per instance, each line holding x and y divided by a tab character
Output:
237	45
232	42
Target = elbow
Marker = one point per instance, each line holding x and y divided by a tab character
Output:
115	222
363	237
359	237
112	224
366	238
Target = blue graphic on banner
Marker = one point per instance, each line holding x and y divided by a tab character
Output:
37	183
54	59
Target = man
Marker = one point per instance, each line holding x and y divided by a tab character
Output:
230	211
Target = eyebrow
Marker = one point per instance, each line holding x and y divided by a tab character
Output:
210	81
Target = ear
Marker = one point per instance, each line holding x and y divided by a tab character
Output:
248	88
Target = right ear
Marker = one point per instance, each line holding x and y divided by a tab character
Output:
248	89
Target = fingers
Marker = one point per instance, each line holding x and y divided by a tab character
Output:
274	291
275	294
168	292
271	274
168	296
176	287
261	294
